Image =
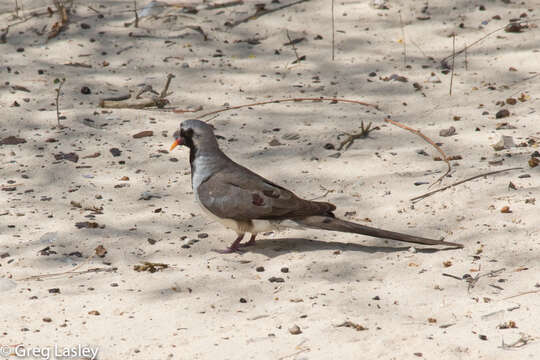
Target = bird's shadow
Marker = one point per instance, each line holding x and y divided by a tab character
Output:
275	247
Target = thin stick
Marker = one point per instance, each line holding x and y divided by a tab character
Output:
466	61
164	93
444	61
286	100
3	36
453	61
417	132
136	14
260	13
293	46
404	43
521	294
333	31
58	100
421	197
72	271
419	48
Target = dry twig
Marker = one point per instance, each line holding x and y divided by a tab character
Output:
258	13
291	42
364	133
403	38
417	132
333	31
136	21
521	294
60	83
453	61
421	197
63	20
125	102
333	100
3	36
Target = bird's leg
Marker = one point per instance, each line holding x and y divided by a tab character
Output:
234	247
251	241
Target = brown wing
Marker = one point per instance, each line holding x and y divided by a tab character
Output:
237	193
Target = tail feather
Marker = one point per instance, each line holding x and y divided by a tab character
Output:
335	224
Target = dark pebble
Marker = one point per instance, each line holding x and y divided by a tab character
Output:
372	74
376	298
85	26
54	291
243	301
524	176
259	269
115	152
20	49
274	279
502	114
482	337
151	241
86	90
202	235
284	269
173	159
329	146
185	246
114	284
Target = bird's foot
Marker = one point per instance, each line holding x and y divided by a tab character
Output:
251	242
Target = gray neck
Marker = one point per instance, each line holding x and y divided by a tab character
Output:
205	163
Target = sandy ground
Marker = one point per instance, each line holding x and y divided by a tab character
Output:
211	306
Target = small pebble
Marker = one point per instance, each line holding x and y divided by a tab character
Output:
284	269
243	301
329	146
259	269
295	330
85	90
502	114
274	279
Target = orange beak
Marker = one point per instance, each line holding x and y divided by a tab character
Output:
176	142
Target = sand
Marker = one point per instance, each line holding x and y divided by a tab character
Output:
394	298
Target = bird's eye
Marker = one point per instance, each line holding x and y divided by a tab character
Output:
186	133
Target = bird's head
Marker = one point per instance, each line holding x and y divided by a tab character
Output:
196	135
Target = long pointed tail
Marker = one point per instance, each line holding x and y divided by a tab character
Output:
334	224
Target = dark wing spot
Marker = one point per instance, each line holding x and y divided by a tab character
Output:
257	200
271	193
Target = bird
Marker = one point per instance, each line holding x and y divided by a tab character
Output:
246	202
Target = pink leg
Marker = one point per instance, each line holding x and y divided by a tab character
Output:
251	241
234	247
